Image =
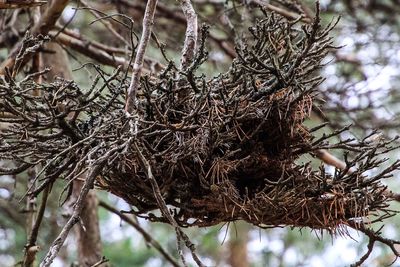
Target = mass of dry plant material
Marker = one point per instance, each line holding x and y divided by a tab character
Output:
203	151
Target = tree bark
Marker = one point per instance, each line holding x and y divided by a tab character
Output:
88	231
238	246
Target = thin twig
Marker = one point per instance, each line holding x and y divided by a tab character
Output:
59	241
106	23
100	262
145	235
164	209
46	22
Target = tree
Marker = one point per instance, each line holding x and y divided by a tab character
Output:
179	146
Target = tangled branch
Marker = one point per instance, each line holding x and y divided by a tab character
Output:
226	149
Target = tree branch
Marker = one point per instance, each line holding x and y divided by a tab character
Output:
189	47
145	235
330	159
137	66
101	53
283	12
373	237
46	22
164	209
164	11
59	241
31	245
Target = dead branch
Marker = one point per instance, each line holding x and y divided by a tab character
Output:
190	44
226	149
101	53
145	235
31	246
330	159
138	63
374	236
91	49
30	255
106	23
166	12
59	241
100	262
46	22
282	11
164	210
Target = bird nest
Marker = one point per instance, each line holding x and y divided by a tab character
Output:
211	150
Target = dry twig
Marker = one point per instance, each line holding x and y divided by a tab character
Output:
44	25
59	241
147	237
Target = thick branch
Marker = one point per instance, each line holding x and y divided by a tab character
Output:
31	245
90	49
189	47
330	159
137	66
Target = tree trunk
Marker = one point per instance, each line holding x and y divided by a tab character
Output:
238	245
88	231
